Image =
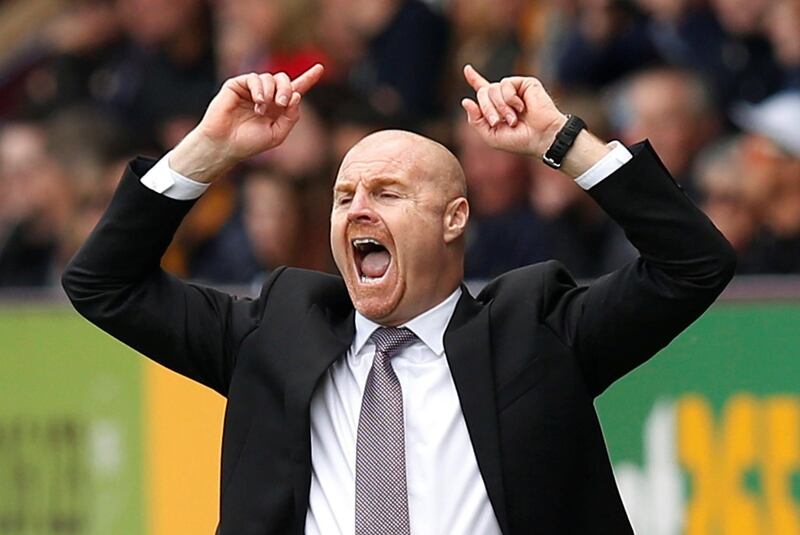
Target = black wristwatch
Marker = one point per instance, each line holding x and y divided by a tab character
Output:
564	140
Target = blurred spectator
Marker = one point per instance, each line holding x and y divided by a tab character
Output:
402	65
741	17
86	82
582	236
487	35
609	40
260	234
267	35
606	40
89	207
35	203
212	243
685	33
273	218
503	233
348	117
91	150
771	161
166	71
60	64
201	248
672	108
85	142
147	62
743	65
351	122
305	151
305	158
783	29
721	181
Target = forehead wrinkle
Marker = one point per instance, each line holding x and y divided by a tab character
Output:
401	154
376	171
361	169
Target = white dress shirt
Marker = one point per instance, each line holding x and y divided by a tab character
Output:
446	492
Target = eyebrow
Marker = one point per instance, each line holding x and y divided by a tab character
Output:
347	185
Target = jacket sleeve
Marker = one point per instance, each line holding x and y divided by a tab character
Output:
625	317
116	282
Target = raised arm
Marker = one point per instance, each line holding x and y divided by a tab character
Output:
624	318
115	279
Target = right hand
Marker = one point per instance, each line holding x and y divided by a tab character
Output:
251	113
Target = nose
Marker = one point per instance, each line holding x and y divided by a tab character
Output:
360	209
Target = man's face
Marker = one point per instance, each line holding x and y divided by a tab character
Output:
663	111
390	232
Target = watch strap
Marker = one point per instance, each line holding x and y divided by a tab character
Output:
563	141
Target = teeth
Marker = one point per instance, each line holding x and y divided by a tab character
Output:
358	242
370	280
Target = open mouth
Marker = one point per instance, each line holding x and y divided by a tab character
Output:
372	259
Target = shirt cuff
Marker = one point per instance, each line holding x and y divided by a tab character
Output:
619	156
161	179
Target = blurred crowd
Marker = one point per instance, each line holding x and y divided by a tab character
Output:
87	84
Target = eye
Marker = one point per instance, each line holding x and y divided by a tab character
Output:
344	200
388	195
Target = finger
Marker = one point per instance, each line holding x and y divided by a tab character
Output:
474	78
506	112
510	95
293	109
474	116
308	79
487	108
256	92
268	86
292	113
283	89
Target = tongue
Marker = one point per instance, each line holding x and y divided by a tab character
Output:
375	264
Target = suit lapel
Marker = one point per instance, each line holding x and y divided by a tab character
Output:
328	339
467	345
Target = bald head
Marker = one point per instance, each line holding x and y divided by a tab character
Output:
397	225
427	159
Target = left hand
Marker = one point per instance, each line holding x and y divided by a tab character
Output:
515	114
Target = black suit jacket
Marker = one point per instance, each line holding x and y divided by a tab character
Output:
528	355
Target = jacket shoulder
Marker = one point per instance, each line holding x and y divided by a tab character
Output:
536	286
296	290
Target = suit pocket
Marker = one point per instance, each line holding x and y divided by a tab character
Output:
523	382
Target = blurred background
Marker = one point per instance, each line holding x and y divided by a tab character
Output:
705	439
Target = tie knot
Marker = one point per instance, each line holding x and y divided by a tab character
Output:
390	340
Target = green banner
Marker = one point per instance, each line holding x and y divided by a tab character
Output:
70	428
705	437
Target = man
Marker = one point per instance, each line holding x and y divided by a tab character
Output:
482	421
674	108
770	168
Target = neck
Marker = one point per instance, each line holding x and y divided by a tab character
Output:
412	315
403	315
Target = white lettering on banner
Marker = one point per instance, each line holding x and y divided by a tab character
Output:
734	474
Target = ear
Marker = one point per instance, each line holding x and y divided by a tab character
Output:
456	215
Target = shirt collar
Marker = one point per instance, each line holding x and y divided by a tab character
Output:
428	326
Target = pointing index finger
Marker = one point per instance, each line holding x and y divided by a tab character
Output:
308	79
474	78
